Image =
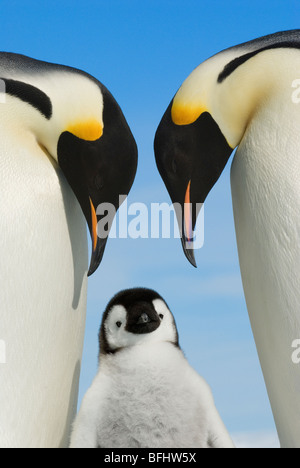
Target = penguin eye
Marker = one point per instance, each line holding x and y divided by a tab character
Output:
161	316
118	324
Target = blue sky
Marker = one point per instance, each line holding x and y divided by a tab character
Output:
142	51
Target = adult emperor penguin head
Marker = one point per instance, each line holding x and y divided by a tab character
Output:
133	317
76	121
209	116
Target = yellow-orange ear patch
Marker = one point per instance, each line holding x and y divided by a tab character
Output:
186	114
89	130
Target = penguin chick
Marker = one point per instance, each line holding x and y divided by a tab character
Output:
145	394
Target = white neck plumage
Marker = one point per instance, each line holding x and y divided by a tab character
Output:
266	201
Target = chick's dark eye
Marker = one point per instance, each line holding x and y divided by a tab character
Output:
118	324
161	316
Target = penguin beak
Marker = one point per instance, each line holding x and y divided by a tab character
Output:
144	318
199	153
147	322
99	172
98	244
78	160
187	237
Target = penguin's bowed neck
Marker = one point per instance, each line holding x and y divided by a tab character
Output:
65	148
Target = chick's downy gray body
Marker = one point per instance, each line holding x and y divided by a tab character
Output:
145	393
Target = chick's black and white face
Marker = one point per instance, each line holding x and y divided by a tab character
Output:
136	317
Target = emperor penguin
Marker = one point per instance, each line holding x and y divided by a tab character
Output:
248	97
145	394
65	148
